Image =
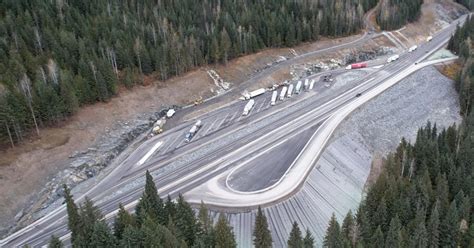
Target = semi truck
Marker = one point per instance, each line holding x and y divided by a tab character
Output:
306	84
194	129
252	94
283	93
356	66
248	107
290	90
274	97
298	87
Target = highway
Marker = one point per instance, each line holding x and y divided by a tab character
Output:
228	141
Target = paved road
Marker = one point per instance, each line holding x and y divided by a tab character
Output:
226	140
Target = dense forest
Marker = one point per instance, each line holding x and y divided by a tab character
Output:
167	224
467	3
425	194
394	14
60	55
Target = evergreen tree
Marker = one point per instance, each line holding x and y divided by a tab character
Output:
393	239
433	227
224	234
450	227
295	240
333	236
185	221
261	233
308	241
150	203
74	219
55	242
377	239
123	220
101	236
132	237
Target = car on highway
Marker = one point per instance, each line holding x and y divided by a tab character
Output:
358	94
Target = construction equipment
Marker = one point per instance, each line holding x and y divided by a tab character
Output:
198	101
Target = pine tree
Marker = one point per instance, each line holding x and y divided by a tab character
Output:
132	237
393	239
55	242
377	239
150	203
123	220
262	236
102	236
308	241
295	240
224	234
74	219
433	227
185	221
347	228
333	236
205	233
450	227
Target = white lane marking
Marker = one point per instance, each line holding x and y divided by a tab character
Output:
199	134
149	153
261	106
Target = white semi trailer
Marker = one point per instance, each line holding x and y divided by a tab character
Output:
274	97
248	107
283	93
298	87
290	90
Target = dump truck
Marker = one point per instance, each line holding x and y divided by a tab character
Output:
248	107
252	94
274	97
290	90
283	93
194	129
298	87
157	127
356	66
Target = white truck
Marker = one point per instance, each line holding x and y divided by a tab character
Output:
248	107
252	94
290	91
429	38
283	93
170	113
413	48
274	97
311	85
393	58
306	84
194	129
298	87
